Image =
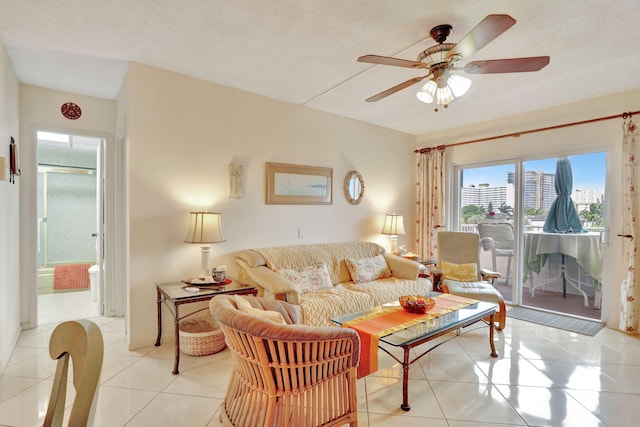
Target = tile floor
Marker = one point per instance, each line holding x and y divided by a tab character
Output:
57	307
543	377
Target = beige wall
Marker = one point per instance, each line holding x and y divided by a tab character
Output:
601	136
9	214
182	133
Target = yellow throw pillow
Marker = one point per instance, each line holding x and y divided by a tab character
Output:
460	272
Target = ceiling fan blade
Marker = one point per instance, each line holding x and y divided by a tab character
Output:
512	65
482	34
396	62
396	88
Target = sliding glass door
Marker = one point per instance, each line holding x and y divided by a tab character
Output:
487	206
540	223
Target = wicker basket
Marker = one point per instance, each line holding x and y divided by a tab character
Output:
200	337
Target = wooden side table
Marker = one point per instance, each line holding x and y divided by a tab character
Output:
173	295
431	273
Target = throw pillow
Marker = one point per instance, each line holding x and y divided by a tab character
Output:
368	269
245	307
460	272
311	278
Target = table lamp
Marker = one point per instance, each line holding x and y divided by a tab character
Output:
204	228
393	226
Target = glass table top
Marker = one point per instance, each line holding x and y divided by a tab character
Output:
176	290
429	327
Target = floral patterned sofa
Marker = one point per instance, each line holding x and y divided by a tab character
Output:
331	279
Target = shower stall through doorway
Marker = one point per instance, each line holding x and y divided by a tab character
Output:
67	212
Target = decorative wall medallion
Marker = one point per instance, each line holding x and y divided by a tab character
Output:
71	111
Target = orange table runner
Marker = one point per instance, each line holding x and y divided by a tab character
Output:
392	319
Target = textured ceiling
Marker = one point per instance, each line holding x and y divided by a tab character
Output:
305	52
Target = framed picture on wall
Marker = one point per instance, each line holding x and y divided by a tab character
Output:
298	184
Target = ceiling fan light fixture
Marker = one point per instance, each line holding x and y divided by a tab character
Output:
459	85
444	95
434	90
427	93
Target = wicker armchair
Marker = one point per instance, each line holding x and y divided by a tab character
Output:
286	374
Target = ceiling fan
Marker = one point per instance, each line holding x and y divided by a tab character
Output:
440	62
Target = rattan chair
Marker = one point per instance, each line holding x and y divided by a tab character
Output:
462	248
286	374
81	341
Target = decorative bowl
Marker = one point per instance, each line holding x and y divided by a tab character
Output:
416	303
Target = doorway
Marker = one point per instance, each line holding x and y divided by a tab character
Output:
551	270
69	226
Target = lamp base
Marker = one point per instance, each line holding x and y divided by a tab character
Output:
394	245
204	277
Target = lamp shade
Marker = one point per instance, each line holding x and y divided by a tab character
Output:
444	89
393	225
459	85
204	227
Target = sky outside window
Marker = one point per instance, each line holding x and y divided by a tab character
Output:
588	171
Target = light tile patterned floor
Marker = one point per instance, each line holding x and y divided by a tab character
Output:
53	308
543	377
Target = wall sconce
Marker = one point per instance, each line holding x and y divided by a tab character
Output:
393	226
235	181
204	228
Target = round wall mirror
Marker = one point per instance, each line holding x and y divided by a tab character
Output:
353	187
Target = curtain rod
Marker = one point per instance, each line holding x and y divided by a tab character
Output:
517	134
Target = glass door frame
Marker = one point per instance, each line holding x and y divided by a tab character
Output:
519	211
516	295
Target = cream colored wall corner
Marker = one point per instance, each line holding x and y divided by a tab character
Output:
182	133
9	214
600	136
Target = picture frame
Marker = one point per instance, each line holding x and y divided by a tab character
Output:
289	184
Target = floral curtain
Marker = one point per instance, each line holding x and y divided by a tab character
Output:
430	213
630	288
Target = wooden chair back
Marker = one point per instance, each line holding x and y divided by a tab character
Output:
81	341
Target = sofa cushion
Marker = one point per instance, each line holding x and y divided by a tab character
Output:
332	254
311	278
246	307
388	290
319	307
251	257
460	272
368	269
403	268
483	291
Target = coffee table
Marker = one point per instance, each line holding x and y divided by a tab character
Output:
423	332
